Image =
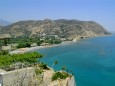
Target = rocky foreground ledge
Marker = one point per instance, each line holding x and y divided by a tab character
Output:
28	77
26	70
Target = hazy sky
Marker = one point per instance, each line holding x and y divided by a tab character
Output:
101	11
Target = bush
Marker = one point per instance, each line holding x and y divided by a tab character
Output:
60	75
4	52
30	58
38	71
39	42
44	66
23	45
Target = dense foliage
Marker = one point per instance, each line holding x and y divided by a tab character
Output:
51	40
3	52
24	39
26	57
60	75
27	41
23	45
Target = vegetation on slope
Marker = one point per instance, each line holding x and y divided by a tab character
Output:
3	52
26	57
27	41
60	75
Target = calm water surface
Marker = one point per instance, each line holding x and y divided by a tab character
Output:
91	60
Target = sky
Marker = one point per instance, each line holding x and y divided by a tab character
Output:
100	11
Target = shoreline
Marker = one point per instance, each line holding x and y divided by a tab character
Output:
23	50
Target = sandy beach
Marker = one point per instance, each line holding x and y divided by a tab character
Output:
23	50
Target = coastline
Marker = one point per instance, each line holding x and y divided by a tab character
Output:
23	50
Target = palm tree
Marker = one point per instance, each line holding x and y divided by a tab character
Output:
55	62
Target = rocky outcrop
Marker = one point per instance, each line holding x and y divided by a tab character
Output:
71	29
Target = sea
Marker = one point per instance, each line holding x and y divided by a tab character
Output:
91	61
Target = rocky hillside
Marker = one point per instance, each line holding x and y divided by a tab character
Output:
62	28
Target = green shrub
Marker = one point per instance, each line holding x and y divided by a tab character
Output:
4	52
38	71
60	75
23	45
44	66
30	58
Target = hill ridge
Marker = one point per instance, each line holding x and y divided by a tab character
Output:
64	28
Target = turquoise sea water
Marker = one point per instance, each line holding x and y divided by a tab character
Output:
91	60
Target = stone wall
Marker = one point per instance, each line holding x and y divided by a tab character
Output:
20	77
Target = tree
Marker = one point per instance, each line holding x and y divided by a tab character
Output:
55	62
23	45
